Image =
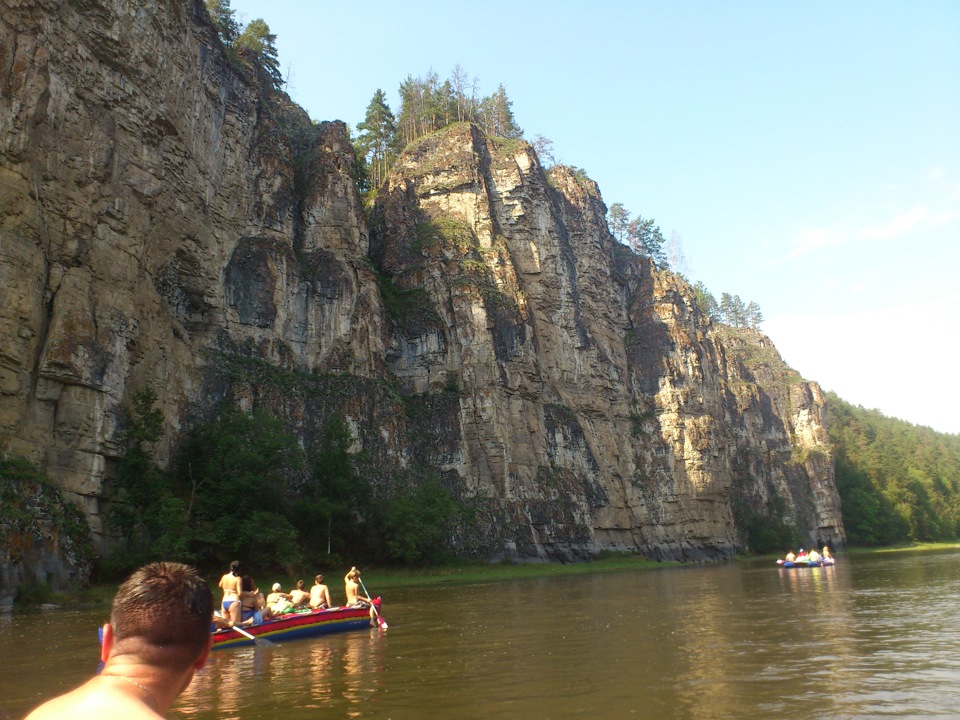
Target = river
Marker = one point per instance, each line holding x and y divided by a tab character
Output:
875	636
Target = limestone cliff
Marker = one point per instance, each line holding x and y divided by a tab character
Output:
165	223
599	409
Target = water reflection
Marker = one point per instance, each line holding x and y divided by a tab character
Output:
338	671
869	637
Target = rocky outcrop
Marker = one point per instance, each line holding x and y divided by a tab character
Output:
158	210
44	540
164	222
600	409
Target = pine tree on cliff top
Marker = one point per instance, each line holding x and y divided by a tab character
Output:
256	41
498	120
377	133
223	17
643	236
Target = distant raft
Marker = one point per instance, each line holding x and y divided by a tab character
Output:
822	562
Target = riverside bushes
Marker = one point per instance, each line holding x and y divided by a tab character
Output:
242	486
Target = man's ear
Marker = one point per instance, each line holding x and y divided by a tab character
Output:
106	644
202	659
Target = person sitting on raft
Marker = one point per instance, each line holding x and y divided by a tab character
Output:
791	557
813	556
319	594
278	601
299	596
219	622
826	553
802	555
252	603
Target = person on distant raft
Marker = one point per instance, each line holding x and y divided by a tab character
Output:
826	553
802	555
299	596
157	638
791	557
320	594
351	584
813	556
230	584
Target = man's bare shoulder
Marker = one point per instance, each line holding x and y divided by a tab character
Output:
93	702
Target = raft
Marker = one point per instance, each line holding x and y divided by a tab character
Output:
294	626
823	562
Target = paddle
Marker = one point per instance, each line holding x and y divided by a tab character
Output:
262	642
380	621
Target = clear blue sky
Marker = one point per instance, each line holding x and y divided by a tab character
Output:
806	153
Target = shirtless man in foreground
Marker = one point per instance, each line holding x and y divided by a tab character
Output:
157	637
320	594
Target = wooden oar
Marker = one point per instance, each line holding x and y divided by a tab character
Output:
380	621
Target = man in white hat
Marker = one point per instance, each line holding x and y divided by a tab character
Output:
278	601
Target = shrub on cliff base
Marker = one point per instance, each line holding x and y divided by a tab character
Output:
415	522
33	513
327	509
239	490
233	474
148	519
765	532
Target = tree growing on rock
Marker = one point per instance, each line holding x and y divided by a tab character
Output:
376	137
734	311
258	44
643	236
224	20
706	301
497	114
544	147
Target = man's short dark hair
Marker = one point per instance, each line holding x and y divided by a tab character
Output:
166	605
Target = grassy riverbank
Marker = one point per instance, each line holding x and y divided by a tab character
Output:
381	579
482	573
908	547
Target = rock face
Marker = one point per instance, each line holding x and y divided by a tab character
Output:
163	222
600	409
152	217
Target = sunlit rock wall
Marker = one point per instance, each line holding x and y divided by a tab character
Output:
599	408
164	223
151	218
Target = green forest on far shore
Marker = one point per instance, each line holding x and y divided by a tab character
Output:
898	482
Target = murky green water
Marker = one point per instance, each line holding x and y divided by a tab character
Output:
873	637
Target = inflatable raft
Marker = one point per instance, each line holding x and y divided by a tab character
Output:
822	562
